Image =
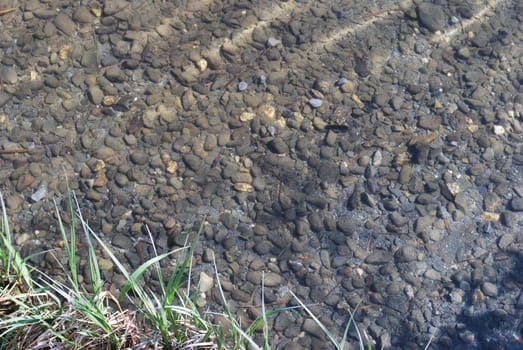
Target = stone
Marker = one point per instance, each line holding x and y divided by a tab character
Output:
139	158
65	23
206	282
346	225
121	240
422	223
489	289
83	15
378	257
516	204
431	16
277	145
95	94
406	254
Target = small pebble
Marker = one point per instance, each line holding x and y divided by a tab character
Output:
39	193
341	81
315	102
242	86
272	42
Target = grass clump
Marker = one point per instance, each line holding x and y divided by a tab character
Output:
46	313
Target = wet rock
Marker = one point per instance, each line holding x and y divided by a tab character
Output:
65	23
83	15
378	257
423	223
14	202
406	254
121	240
277	145
489	289
516	204
95	94
431	16
346	225
8	75
505	241
24	182
193	162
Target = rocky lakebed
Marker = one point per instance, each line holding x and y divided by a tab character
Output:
365	155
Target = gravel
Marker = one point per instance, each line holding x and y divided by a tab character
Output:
370	166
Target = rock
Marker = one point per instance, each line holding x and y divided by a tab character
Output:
193	162
24	182
516	204
121	240
311	327
65	23
422	223
105	264
8	75
346	225
406	254
206	282
431	16
95	94
432	274
115	75
277	145
104	153
505	241
139	158
378	257
489	289
83	15
14	202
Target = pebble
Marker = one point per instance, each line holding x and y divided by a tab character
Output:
432	274
8	75
14	202
121	240
95	94
83	15
406	254
516	204
378	257
277	145
65	23
432	16
346	225
242	86
315	102
489	289
206	282
505	241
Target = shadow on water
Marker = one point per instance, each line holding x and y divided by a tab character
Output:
492	329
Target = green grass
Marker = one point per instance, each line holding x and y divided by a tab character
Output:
41	311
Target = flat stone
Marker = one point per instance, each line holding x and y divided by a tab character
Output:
65	23
121	240
206	282
489	289
378	257
433	274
